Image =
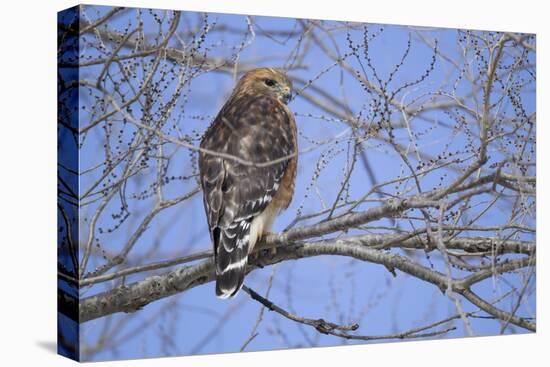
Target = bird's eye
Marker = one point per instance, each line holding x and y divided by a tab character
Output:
270	82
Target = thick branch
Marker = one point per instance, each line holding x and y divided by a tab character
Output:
132	297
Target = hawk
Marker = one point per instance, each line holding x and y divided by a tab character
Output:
242	198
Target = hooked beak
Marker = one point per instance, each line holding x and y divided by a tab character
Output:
286	95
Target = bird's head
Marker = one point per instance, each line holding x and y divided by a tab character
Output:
273	82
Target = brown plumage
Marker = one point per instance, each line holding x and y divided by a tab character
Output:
242	200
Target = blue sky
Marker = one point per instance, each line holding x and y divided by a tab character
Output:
334	288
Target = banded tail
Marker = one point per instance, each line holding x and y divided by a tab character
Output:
231	257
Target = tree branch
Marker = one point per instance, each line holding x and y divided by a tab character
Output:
320	325
132	297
